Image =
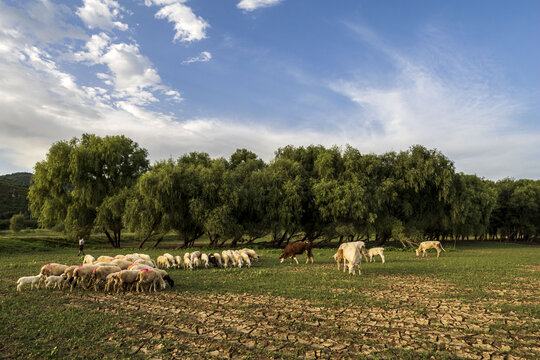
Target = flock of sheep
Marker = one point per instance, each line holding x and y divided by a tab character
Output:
196	259
139	272
130	272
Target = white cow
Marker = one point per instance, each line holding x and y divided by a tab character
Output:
427	245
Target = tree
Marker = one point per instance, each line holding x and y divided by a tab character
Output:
76	178
16	223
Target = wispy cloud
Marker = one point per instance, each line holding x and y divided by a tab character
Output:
202	57
448	104
251	5
188	26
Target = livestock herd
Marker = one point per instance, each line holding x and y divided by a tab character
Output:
139	272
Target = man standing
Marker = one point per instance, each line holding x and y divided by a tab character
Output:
81	246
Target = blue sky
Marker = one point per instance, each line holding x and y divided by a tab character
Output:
205	75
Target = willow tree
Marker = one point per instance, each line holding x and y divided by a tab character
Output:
83	177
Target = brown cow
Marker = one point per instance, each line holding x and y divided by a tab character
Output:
297	248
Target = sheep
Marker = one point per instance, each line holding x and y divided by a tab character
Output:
225	258
171	259
205	260
165	277
216	261
110	281
32	280
237	258
105	258
195	259
82	273
245	258
68	273
217	256
121	257
252	254
53	269
148	277
145	262
100	274
374	252
121	263
188	265
144	257
58	281
163	262
88	259
427	245
178	261
125	277
138	267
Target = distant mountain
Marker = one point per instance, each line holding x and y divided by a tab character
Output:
13	192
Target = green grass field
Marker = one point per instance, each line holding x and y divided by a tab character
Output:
481	300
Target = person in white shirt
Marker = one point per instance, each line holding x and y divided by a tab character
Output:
81	246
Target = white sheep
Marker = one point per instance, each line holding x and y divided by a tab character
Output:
374	252
105	258
225	258
58	281
81	274
245	258
205	260
121	263
32	280
188	265
125	277
163	262
217	256
172	261
178	261
252	254
88	259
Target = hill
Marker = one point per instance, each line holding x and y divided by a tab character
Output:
13	192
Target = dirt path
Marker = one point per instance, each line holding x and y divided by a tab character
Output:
428	319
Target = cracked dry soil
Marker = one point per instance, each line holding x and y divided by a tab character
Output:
416	317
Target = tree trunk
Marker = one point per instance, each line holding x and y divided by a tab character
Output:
109	237
158	241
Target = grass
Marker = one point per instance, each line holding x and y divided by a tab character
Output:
52	324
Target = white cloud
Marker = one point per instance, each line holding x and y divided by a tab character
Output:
189	27
202	57
448	105
102	14
251	5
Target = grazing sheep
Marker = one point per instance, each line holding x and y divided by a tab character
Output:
163	262
100	274
165	276
427	245
217	256
125	279
374	252
32	280
148	277
188	265
171	259
178	261
212	259
297	248
138	267
58	281
52	269
245	258
105	258
88	259
195	259
81	274
145	262
110	281
252	254
225	258
68	273
205	260
237	258
144	256
122	257
121	263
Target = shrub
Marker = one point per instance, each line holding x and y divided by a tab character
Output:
16	223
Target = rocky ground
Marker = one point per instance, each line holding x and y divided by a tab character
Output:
409	317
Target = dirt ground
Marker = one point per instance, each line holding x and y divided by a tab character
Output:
413	318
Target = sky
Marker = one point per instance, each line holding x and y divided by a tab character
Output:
177	76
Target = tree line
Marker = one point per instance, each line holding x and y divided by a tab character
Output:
313	193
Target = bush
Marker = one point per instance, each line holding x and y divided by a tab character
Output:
16	223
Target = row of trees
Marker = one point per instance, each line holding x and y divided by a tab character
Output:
313	192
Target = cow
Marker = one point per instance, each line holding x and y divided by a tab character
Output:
426	245
297	248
